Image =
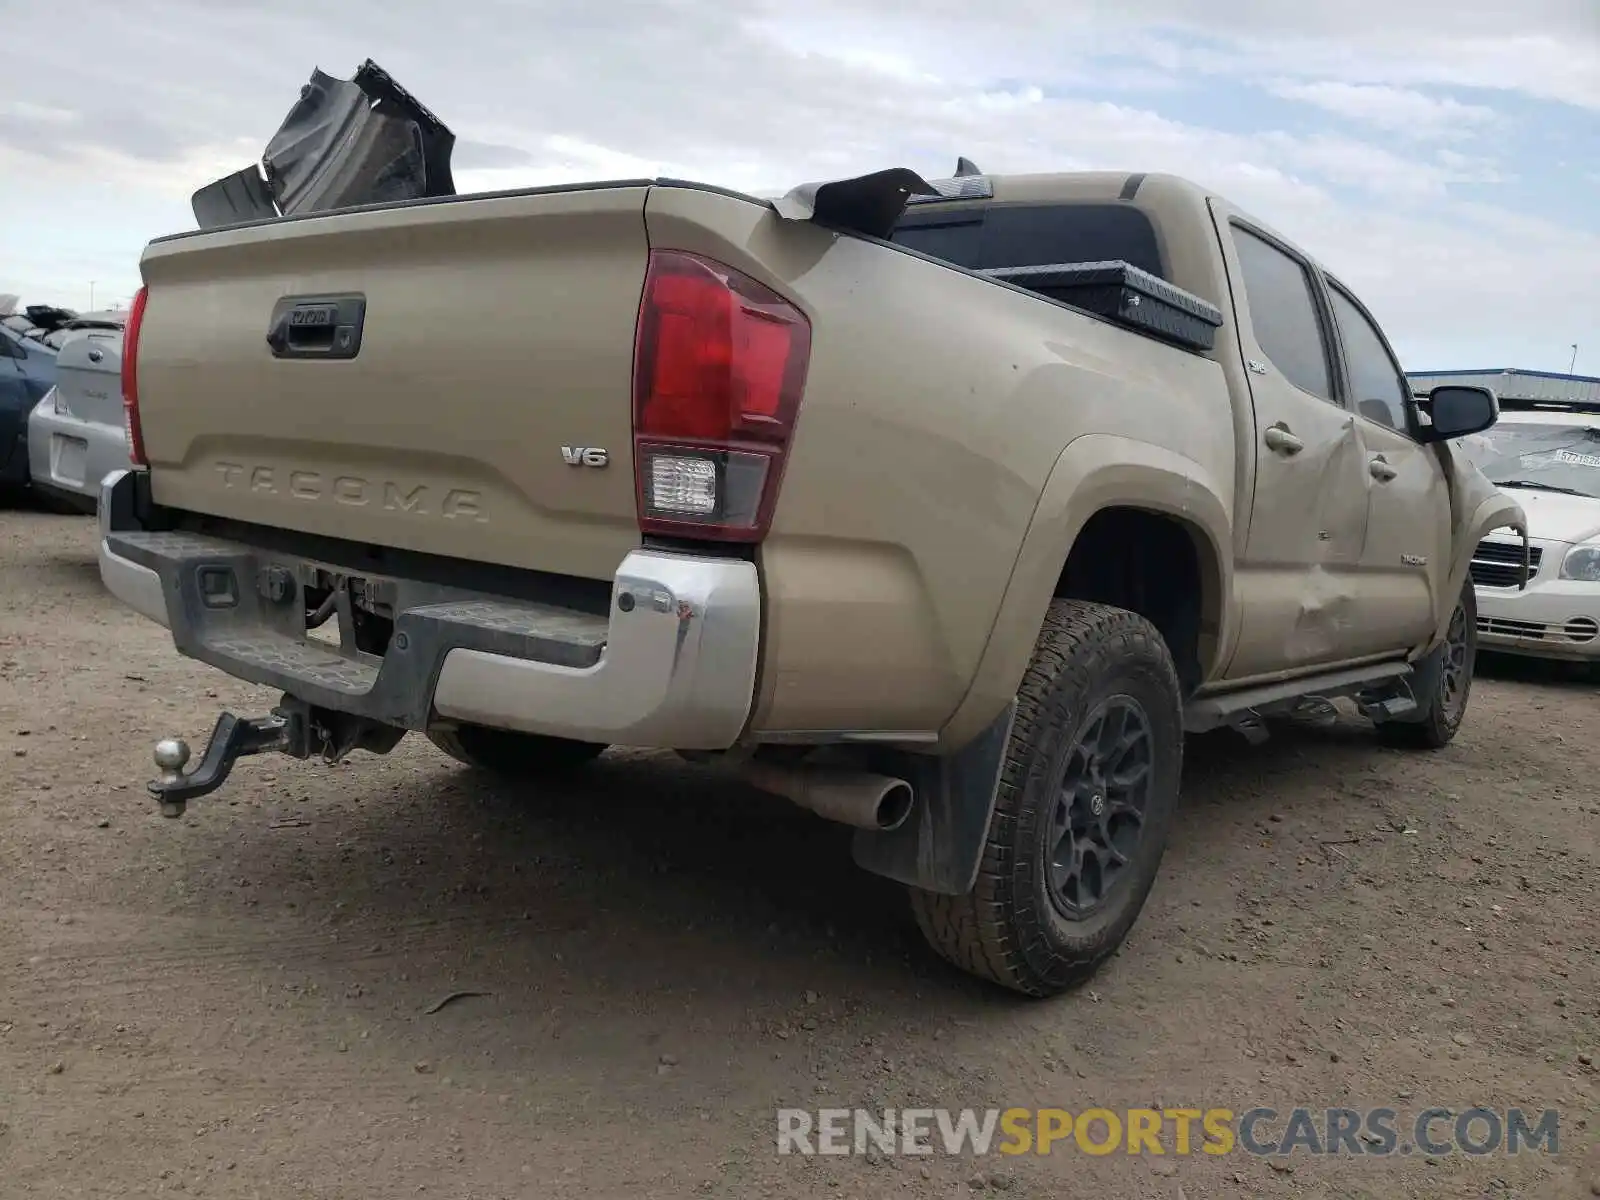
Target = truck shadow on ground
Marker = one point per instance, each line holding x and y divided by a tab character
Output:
71	578
74	576
705	882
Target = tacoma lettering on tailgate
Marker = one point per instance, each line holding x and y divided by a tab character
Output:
414	499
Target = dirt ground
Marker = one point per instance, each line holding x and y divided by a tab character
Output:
238	1004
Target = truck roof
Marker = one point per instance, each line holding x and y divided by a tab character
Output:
1161	194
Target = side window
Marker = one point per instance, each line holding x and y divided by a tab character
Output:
1283	314
1377	386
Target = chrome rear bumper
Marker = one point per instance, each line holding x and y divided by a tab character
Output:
672	664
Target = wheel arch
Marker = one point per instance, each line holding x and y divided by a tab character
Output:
1477	507
1102	485
1493	512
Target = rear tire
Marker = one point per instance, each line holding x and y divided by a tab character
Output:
511	754
1098	734
1448	704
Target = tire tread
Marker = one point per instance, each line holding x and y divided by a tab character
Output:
983	931
1436	731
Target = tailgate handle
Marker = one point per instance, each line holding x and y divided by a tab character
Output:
317	326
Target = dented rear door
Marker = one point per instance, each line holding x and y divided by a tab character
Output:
1298	581
1405	559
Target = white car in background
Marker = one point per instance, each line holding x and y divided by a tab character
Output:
1548	456
76	433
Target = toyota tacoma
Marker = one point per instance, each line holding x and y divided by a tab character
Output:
944	509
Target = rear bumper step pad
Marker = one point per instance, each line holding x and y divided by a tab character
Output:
671	665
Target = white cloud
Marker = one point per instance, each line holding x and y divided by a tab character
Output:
1544	67
1549	49
759	96
1405	111
43	114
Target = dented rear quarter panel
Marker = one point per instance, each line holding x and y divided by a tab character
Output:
944	417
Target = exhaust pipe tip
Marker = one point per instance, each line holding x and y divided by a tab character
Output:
894	806
866	801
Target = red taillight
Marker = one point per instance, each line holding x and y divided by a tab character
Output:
718	370
130	379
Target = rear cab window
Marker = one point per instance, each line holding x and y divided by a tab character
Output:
1002	235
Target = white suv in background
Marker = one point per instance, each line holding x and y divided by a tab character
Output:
1548	457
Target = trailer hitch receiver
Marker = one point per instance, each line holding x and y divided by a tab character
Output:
231	739
294	728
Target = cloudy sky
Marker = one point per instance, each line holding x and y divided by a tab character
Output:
1442	156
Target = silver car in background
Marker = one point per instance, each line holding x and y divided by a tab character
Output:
76	433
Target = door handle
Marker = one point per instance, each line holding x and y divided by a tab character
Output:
1380	468
1279	438
327	327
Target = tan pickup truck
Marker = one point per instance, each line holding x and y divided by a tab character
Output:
944	509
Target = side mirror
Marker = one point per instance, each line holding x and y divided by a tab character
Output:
1459	409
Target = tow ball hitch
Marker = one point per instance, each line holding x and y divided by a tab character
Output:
294	728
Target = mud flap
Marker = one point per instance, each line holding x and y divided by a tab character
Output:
940	846
1410	699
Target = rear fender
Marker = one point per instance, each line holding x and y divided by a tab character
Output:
1096	472
941	847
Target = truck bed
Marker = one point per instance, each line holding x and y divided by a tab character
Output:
480	404
500	335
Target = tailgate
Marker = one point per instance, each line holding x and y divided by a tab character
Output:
484	344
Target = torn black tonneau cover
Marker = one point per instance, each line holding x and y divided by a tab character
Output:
873	204
866	204
365	140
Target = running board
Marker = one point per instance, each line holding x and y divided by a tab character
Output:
1245	708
